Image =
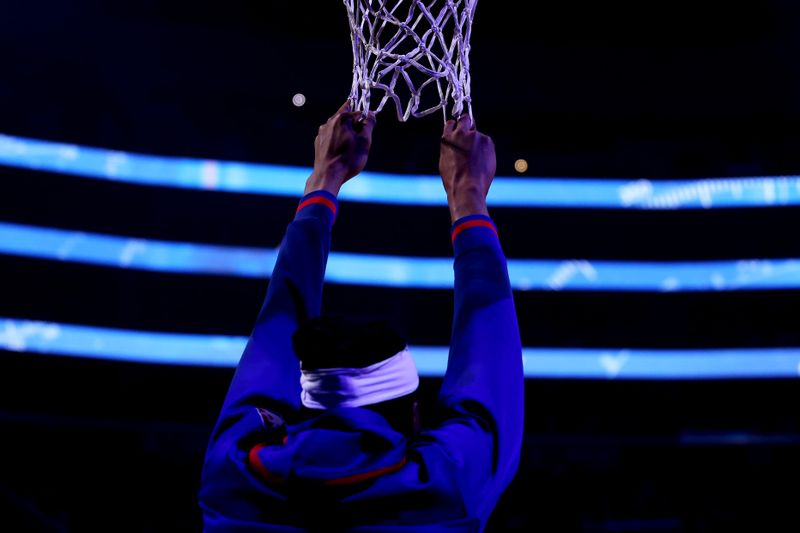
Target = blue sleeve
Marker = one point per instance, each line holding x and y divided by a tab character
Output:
266	385
268	373
481	400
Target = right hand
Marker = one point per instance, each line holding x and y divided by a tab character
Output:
467	164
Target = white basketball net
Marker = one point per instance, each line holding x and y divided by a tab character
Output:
412	50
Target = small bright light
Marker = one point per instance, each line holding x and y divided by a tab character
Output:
520	165
299	99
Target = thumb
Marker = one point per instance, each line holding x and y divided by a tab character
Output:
369	124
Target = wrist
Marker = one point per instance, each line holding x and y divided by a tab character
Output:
318	181
466	204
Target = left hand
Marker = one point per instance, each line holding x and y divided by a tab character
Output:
341	149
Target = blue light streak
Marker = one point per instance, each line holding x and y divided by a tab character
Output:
276	180
49	338
396	271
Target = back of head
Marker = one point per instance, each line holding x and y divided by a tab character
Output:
347	362
344	342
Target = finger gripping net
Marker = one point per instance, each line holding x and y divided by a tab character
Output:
415	51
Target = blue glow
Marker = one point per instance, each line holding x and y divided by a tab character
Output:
397	271
236	177
222	351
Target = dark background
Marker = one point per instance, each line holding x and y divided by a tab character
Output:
580	88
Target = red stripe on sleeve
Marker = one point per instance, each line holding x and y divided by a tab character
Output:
473	224
258	466
318	200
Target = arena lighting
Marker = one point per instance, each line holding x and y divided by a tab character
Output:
299	100
397	271
374	187
50	338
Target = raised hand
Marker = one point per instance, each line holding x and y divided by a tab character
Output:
467	164
341	149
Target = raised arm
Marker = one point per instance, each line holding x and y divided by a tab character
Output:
481	399
268	372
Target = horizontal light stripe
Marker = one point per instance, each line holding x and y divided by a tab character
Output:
237	177
221	351
397	271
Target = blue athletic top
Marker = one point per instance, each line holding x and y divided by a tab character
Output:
348	469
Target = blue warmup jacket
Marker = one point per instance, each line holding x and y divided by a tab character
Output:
347	469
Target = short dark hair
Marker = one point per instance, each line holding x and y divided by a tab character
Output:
345	342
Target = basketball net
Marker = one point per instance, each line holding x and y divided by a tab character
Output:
415	51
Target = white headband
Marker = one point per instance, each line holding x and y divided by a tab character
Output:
355	387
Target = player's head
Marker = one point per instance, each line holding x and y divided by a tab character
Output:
347	362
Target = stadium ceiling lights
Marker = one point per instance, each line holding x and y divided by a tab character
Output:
397	271
50	338
235	177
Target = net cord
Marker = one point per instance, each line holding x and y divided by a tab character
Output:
378	29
